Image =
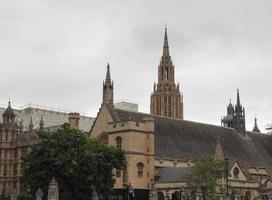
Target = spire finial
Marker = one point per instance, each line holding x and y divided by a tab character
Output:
108	76
238	97
165	44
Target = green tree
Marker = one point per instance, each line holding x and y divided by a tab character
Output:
204	176
78	171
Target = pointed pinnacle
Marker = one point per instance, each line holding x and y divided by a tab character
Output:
238	98
108	77
165	44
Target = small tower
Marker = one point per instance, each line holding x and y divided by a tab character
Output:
30	126
74	120
166	99
256	128
41	124
8	115
108	88
235	117
53	190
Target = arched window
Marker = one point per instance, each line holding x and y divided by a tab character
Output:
160	196
247	196
140	170
118	142
175	195
236	173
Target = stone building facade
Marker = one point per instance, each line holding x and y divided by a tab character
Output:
161	150
16	140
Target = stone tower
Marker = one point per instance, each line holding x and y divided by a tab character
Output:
74	120
235	116
166	99
108	88
8	135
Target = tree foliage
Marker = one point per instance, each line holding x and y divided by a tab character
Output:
78	171
204	176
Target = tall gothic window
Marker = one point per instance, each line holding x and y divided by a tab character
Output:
236	173
165	74
247	196
169	106
165	106
118	142
160	196
140	170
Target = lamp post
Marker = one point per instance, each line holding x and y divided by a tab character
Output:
227	175
182	193
77	140
128	191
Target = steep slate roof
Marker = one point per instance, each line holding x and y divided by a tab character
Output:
187	140
172	174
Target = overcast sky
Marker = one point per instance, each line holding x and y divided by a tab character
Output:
54	53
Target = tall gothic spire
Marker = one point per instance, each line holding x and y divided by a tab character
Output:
165	44
238	98
108	76
166	99
108	88
218	154
256	128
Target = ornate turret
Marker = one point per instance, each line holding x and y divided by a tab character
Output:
74	120
108	88
256	128
166	99
230	109
8	115
235	117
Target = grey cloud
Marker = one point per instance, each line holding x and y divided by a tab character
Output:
55	53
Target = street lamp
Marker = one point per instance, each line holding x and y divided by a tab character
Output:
77	140
199	194
227	175
182	194
128	191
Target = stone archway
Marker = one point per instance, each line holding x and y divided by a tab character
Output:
247	195
160	196
175	195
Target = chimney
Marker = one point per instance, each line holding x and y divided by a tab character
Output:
74	120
